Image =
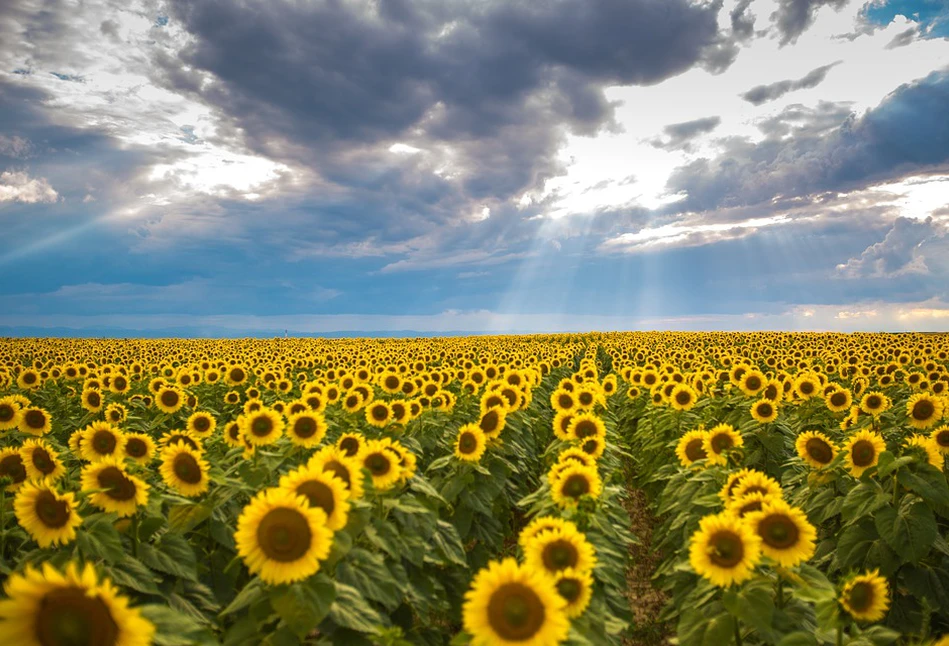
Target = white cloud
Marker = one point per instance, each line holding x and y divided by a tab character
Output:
17	186
15	146
687	235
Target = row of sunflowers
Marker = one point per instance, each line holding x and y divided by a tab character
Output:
473	490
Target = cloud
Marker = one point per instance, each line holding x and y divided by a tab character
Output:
900	253
679	135
15	146
17	186
904	38
793	17
761	94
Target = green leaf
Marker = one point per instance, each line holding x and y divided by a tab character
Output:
753	605
131	573
863	499
174	628
351	610
182	518
854	542
99	540
799	638
367	572
698	629
303	605
247	596
909	531
172	555
928	482
448	544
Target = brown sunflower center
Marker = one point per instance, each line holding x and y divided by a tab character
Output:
586	398
748	507
838	399
569	589
753	382
559	555
576	485
923	410
379	413
51	512
874	402
862	453
490	422
261	426
187	468
819	450
136	447
284	535
70	617
12	466
319	494
6	412
94	399
721	442
392	382
339	470
695	451
202	424
35	418
169	398
942	438
349	446
104	442
779	531
861	596
117	486
237	375
565	401
726	549
683	397
378	463
807	387
304	427
467	443
119	383
765	409
42	460
29	378
516	612
585	428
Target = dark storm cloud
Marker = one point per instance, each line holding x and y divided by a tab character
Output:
763	93
793	17
908	131
679	135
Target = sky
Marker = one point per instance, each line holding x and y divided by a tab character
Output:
245	167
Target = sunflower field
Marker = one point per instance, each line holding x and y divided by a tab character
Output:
765	488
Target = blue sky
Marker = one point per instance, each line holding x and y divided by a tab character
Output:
245	167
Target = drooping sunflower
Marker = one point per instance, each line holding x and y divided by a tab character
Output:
50	518
764	411
33	420
201	424
116	490
513	605
724	550
866	597
554	550
720	440
378	413
470	443
184	470
48	607
875	403
306	429
321	489
101	440
281	537
382	462
576	588
347	469
786	535
542	524
691	447
862	451
262	427
12	466
573	482
922	410
928	447
815	448
139	447
41	461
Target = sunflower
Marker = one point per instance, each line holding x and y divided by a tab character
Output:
563	401
875	403
332	460
33	420
201	424
786	535
815	448
184	470
382	462
492	422
139	447
594	446
724	549
561	424
752	382
281	538
747	504
8	411
755	481
764	411
806	386
554	550
306	429
512	605
922	410
232	397
720	440
41	461
101	440
46	607
542	524
838	400
180	437
573	482
115	490
350	444
691	447
866	597
852	417
235	376
115	413
862	451
50	518
321	489
169	400
13	467
584	425
928	447
232	435
29	379
682	397
378	414
576	588
262	427
940	437
470	443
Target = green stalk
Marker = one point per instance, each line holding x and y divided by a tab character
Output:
840	635
780	592
3	522
737	633
896	488
134	530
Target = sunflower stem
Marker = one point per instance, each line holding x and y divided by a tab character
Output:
896	488
3	522
780	592
134	530
840	635
737	632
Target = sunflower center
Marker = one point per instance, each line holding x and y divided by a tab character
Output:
923	410
6	412
319	494
819	450
726	549
861	596
942	438
576	486
305	427
379	413
874	401
284	535
838	399
559	555
748	507
169	398
862	453
807	388
765	409
515	612
29	378
261	426
136	448
117	486
569	589
722	442
590	446
104	442
468	443
70	617
42	461
52	512
12	466
392	382
349	446
779	531
202	424
338	470
771	392
694	450
94	399
237	374
489	422
753	382
683	398
585	428
35	419
378	464
119	382
187	468
565	401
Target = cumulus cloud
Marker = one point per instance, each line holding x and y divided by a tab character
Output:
17	186
763	93
680	135
793	17
900	253
14	146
